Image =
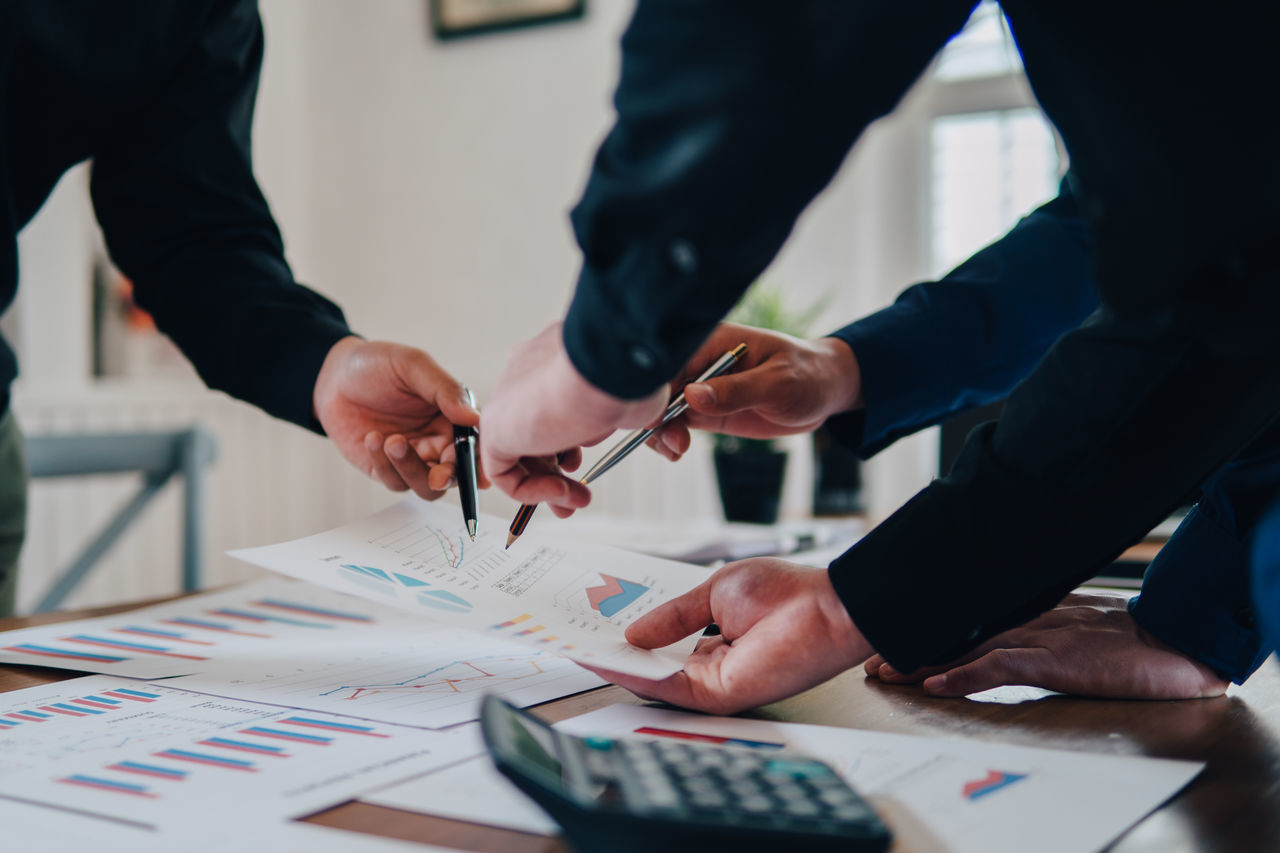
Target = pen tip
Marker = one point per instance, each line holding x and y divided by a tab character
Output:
511	537
471	528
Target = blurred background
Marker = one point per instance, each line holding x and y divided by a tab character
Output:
423	183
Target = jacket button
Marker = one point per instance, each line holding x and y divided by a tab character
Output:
642	357
683	256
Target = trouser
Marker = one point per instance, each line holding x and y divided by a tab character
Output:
13	508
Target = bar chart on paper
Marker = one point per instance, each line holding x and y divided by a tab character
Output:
154	756
415	675
556	595
266	617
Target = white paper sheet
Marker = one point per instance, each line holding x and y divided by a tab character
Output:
559	595
40	829
411	672
945	794
472	790
146	755
268	618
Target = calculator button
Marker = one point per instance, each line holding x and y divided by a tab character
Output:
756	804
600	743
801	808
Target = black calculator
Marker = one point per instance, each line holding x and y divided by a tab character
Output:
633	794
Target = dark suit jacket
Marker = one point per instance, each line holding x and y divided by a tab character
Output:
159	93
733	115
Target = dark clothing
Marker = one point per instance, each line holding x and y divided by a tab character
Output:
966	340
160	94
732	116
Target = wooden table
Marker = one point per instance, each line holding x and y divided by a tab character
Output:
1233	805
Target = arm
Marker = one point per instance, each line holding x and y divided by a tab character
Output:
940	349
725	130
174	191
965	340
183	217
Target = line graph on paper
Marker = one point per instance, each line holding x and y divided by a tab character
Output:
430	677
453	678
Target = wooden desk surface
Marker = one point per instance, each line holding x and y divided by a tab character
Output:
1233	805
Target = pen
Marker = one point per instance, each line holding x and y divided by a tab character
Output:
464	445
675	409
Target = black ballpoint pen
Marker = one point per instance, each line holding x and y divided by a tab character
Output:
464	445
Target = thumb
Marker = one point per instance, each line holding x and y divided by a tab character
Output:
432	382
725	395
994	669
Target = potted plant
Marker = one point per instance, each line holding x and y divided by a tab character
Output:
750	471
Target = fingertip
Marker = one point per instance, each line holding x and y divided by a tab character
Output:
396	446
700	395
936	684
373	441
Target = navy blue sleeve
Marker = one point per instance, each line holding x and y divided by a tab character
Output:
731	117
1196	593
947	346
1264	557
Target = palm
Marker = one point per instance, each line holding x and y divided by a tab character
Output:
390	410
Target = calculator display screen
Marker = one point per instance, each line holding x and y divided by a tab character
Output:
534	745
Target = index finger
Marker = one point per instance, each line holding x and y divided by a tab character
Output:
673	620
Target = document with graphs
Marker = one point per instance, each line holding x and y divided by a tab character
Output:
561	596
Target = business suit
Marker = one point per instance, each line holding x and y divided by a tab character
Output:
967	339
731	117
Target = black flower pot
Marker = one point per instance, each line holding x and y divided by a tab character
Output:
750	482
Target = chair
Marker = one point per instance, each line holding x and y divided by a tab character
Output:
157	456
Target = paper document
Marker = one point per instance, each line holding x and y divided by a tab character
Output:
152	757
38	828
471	790
409	671
946	794
269	618
553	594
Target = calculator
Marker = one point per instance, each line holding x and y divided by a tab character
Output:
634	794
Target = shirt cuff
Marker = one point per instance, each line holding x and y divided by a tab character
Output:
1195	597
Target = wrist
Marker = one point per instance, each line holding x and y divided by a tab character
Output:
847	639
841	374
330	369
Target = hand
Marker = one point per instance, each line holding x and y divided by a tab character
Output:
390	409
782	386
782	630
542	412
1088	645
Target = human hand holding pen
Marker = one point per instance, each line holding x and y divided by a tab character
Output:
390	410
541	413
782	386
629	443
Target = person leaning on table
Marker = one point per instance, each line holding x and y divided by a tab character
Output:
731	117
160	96
949	346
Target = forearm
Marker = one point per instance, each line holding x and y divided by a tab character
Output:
1122	419
184	219
965	340
726	129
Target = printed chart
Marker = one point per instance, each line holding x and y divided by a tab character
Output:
556	595
408	672
264	618
152	756
978	796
